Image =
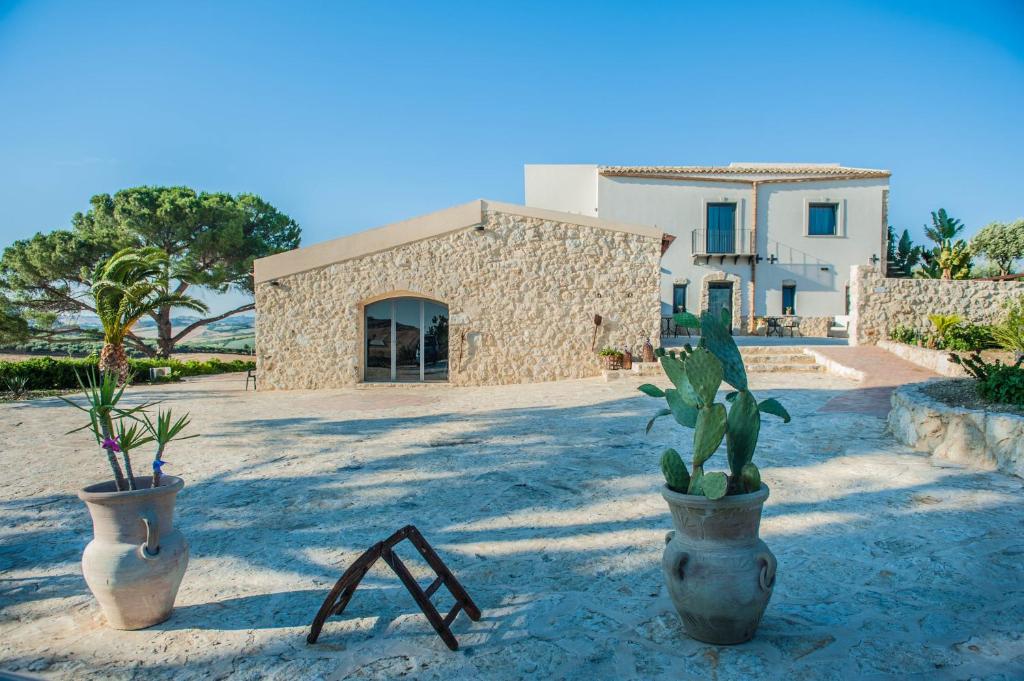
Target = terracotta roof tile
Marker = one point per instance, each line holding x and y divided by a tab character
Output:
784	169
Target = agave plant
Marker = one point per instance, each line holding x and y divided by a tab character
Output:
120	430
696	374
130	284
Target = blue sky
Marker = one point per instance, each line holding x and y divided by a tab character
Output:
349	115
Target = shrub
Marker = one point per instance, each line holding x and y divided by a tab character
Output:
904	334
1004	384
967	336
996	382
47	373
1010	333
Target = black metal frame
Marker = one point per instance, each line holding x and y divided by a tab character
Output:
341	594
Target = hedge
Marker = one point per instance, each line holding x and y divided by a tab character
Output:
47	373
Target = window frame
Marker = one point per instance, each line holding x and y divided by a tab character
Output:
839	206
676	287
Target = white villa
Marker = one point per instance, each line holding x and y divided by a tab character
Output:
762	239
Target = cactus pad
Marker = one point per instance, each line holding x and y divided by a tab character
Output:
715	485
685	414
772	406
750	478
744	424
717	339
710	429
676	476
704	372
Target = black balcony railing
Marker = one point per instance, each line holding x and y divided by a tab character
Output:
723	242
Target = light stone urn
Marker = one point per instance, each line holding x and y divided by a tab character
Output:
136	560
720	574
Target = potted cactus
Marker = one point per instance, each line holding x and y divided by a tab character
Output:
720	574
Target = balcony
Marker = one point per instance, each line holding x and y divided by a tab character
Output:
720	245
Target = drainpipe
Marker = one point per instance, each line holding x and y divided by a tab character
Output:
753	258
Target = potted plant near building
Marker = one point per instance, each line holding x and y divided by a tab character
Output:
136	559
720	574
611	357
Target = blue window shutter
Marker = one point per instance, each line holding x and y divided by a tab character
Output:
821	219
721	223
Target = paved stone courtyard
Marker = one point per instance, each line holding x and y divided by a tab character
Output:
543	500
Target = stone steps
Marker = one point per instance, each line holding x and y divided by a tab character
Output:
773	367
758	359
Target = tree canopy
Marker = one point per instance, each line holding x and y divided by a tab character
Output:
902	254
1001	244
210	239
944	227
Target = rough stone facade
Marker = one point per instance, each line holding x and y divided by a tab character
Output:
980	438
815	327
522	295
878	304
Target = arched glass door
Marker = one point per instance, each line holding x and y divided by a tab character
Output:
406	341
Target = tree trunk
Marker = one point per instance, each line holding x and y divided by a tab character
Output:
113	359
164	339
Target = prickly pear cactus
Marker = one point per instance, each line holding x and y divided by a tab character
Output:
697	375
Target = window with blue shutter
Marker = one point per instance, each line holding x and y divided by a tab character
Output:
821	219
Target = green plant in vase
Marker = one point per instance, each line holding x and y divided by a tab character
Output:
696	374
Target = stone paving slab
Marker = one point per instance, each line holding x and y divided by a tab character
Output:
543	499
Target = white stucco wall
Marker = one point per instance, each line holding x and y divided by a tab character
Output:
818	265
566	188
678	207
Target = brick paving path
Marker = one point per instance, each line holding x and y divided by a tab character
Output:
883	373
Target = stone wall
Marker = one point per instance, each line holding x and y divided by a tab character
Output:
815	327
522	295
980	438
878	304
936	361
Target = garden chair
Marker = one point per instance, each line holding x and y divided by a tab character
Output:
250	376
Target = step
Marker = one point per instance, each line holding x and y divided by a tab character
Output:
780	358
765	367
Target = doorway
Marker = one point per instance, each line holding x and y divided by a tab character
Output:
719	296
406	341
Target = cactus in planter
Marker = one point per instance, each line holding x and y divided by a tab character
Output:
696	374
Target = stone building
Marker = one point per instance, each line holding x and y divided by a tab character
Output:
482	293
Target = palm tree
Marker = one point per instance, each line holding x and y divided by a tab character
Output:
944	228
131	283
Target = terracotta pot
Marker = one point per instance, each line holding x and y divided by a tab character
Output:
720	574
136	560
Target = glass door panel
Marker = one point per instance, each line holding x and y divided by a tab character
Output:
407	340
435	342
378	341
719	296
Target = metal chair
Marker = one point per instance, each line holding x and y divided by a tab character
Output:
250	376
